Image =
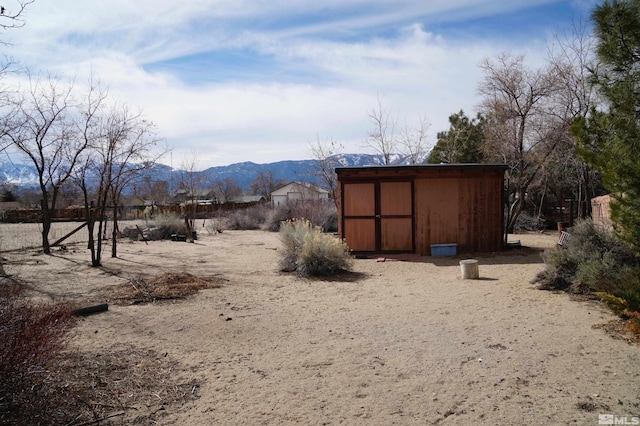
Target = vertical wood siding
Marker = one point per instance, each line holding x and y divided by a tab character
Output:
422	205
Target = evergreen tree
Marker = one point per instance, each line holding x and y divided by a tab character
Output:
610	138
462	143
8	195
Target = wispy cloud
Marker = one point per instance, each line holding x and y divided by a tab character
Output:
255	80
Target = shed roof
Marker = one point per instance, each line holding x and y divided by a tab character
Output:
418	167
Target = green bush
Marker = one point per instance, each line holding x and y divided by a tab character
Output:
592	260
596	262
310	252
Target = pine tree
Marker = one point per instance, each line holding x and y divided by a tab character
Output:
610	138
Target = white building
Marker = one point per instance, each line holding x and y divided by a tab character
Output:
297	191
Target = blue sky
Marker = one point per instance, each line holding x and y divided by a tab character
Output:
227	81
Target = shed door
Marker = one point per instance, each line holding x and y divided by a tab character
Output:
359	215
378	216
396	216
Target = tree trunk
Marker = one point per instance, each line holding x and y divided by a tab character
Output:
187	224
114	233
98	261
46	227
101	226
91	224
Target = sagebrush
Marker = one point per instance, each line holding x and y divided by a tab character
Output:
308	251
249	218
322	213
166	224
594	261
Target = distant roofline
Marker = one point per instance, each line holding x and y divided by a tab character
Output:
306	185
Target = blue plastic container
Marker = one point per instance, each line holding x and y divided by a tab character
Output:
444	249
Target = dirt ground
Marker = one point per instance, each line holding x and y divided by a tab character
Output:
394	342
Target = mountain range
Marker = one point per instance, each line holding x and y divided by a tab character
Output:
25	176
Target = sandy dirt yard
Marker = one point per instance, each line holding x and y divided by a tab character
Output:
394	342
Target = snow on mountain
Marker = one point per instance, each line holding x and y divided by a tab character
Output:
25	176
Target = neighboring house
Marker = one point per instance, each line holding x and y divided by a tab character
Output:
10	205
199	197
410	208
134	201
248	199
297	191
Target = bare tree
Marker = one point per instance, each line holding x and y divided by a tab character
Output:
157	191
265	183
227	190
570	58
413	140
88	128
11	16
191	183
325	153
121	149
381	138
41	126
387	139
127	144
520	133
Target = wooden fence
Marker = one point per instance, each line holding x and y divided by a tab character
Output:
134	212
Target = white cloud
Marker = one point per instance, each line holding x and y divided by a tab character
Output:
319	80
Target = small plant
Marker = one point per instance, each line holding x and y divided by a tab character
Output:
310	252
617	304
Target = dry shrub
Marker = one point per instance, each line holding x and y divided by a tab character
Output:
310	252
32	337
526	222
10	287
250	218
321	213
216	225
167	224
129	384
126	384
162	287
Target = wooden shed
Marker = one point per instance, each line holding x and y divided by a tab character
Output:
390	209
